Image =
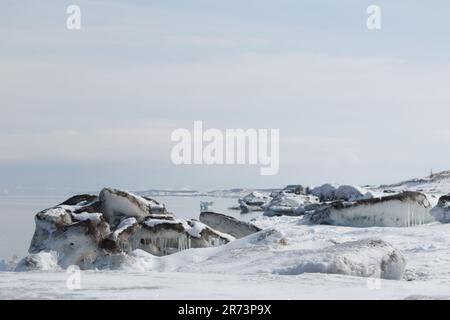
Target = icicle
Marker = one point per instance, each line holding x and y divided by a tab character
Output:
409	217
181	242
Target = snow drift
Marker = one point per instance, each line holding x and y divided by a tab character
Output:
266	252
363	258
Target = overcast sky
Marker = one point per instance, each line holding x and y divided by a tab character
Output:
95	107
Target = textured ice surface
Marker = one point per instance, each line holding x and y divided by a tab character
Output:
227	224
402	210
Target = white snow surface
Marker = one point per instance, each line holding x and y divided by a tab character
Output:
57	211
84	216
359	258
42	261
124	225
248	274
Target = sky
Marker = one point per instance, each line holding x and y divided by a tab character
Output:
83	109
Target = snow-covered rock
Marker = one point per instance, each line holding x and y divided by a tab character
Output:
441	212
227	224
325	192
86	228
77	244
328	192
72	230
295	188
290	204
254	201
352	193
399	210
162	237
118	204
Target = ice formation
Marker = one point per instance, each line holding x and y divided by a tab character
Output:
86	228
227	224
289	204
441	212
254	201
117	204
399	210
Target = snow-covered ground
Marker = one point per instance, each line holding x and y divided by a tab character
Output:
175	285
427	275
437	183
